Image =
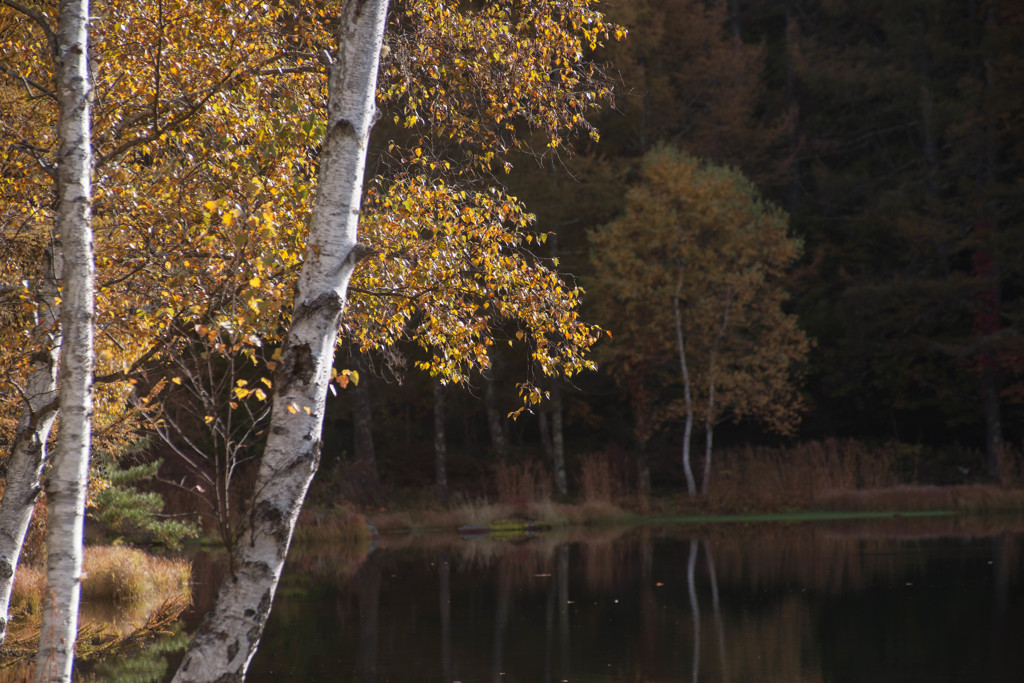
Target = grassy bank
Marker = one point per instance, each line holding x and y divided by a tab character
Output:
822	479
128	597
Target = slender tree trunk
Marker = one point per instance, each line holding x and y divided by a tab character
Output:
362	426
709	427
495	423
709	418
709	434
28	452
691	486
558	438
440	449
226	641
68	479
990	378
544	426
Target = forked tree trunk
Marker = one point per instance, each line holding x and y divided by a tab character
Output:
226	641
67	481
28	452
691	485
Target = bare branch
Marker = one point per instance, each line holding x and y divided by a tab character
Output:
39	18
29	84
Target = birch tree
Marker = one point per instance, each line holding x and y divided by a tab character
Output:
67	481
28	452
690	282
227	640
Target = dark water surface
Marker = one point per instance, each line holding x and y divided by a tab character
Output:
786	603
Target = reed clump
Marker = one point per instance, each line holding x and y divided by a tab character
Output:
523	482
599	482
332	525
765	478
117	573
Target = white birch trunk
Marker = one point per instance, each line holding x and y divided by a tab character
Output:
691	485
226	641
709	418
67	481
28	452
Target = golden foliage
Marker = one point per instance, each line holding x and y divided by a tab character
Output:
702	235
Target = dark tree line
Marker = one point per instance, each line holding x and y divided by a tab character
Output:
892	135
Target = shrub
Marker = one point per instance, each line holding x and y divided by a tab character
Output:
133	514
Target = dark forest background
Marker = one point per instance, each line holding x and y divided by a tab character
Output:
893	135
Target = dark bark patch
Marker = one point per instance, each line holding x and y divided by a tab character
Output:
6	569
298	364
265	601
267	514
232	650
253	635
328	302
344	127
269	519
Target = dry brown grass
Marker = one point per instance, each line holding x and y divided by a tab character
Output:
519	483
761	478
599	480
480	512
128	596
332	525
114	573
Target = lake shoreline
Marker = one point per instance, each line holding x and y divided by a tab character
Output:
905	503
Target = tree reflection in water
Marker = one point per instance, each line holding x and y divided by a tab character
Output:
795	602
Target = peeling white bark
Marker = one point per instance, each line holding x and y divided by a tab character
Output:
28	452
67	481
227	640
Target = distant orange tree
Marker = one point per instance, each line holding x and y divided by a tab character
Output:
690	281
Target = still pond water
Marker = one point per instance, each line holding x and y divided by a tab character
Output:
906	601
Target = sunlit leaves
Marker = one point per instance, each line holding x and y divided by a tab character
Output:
475	78
207	122
450	267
